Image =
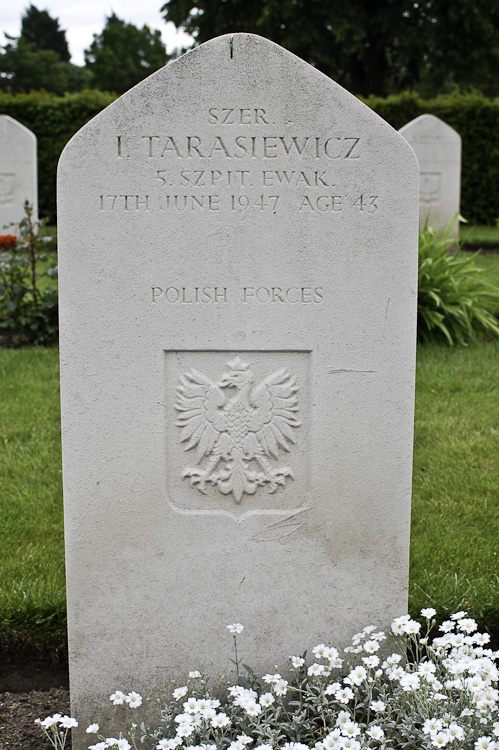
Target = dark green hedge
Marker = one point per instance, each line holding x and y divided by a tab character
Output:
476	119
55	119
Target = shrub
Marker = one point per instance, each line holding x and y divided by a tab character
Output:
445	693
454	303
28	315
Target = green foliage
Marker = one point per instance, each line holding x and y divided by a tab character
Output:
475	119
370	48
123	55
24	69
28	315
43	32
453	301
54	120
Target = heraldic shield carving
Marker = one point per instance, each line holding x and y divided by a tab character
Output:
238	428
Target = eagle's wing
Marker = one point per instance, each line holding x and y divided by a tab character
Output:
275	404
199	401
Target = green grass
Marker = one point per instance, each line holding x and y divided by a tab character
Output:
479	236
455	527
455	522
32	598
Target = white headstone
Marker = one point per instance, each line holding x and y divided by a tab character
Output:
17	172
438	150
238	273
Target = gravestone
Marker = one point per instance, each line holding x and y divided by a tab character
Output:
438	150
238	272
17	173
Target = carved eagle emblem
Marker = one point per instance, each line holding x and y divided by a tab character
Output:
237	428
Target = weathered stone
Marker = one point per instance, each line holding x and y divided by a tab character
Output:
17	172
238	272
438	149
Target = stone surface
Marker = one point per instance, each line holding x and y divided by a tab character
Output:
18	181
438	150
238	271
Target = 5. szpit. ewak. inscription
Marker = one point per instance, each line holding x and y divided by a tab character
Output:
238	431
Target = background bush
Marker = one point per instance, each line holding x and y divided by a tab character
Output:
55	119
475	118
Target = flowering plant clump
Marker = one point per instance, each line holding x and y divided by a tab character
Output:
441	693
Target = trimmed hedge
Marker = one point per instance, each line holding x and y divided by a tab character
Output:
476	119
55	119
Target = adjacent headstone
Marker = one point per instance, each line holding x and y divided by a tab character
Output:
238	273
438	150
18	182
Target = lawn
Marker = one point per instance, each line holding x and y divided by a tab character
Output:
455	524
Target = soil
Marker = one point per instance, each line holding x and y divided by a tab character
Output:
30	689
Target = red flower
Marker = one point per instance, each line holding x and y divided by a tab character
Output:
7	241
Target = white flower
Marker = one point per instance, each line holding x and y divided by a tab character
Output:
468	625
315	670
266	699
252	709
371	661
427	668
375	732
485	743
50	721
134	700
377	706
350	729
263	747
123	744
411	626
332	688
496	729
118	698
336	663
344	695
398	624
432	726
370	647
428	613
297	661
270	678
179	692
356	676
409	682
220	720
67	722
319	650
98	746
92	729
185	730
236	627
440	739
458	615
455	731
195	674
280	687
342	717
439	697
169	744
447	626
350	744
244	739
392	661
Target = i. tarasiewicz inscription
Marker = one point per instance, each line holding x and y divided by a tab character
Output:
238	427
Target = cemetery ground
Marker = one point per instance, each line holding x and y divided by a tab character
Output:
455	524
